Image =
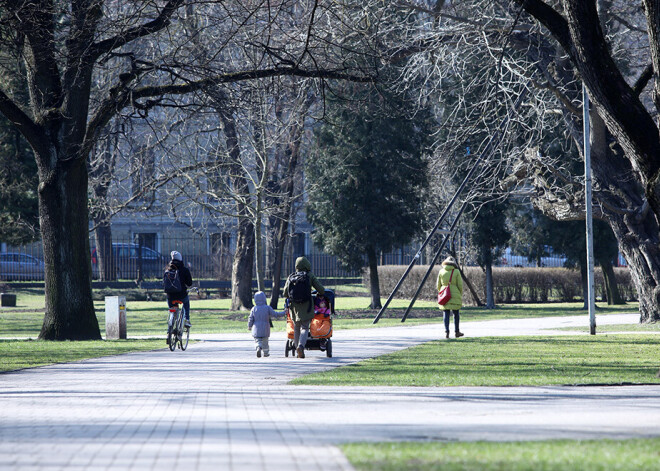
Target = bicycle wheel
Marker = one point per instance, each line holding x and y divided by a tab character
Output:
184	332
171	340
183	340
171	330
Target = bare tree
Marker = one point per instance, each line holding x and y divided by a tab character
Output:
628	172
65	43
480	54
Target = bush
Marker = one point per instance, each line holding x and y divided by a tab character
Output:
511	284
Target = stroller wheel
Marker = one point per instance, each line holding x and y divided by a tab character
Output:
328	348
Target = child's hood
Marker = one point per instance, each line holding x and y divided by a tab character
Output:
260	298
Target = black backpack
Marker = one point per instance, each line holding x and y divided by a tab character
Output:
300	287
172	281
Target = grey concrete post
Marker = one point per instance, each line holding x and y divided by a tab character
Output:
115	317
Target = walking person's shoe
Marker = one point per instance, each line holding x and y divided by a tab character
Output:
301	352
187	324
258	352
266	354
459	334
447	334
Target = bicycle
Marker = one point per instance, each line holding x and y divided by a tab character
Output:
177	332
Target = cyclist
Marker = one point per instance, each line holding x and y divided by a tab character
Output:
176	265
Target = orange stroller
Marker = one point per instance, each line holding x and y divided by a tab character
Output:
320	328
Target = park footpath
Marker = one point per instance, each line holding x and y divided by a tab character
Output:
218	407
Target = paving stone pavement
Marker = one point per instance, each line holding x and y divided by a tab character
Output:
217	406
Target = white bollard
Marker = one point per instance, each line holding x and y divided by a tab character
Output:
115	317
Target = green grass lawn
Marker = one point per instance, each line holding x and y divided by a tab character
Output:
654	327
146	318
553	455
149	318
17	354
506	361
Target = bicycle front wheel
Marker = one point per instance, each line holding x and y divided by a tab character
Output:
183	340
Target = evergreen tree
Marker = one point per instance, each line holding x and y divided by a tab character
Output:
569	239
489	235
367	179
530	233
19	213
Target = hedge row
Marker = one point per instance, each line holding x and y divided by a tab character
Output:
511	284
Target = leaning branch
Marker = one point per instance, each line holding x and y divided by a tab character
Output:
552	20
193	86
122	95
22	121
160	22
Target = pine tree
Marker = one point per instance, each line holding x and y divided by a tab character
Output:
367	179
19	213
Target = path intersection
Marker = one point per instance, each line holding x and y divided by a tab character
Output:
218	407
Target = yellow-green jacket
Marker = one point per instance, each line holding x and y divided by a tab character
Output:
456	288
303	311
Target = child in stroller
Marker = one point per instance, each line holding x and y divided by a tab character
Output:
320	327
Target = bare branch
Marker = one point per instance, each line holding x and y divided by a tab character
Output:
180	89
160	22
32	132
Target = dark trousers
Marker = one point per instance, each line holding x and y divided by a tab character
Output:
457	317
186	304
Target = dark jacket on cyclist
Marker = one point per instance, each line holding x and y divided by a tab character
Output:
184	276
186	282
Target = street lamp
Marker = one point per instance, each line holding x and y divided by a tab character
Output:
587	196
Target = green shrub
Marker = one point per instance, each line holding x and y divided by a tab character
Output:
511	284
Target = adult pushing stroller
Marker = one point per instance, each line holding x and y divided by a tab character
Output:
320	328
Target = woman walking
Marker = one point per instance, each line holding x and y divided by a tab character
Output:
450	276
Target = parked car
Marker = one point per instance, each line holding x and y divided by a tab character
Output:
126	259
16	266
511	260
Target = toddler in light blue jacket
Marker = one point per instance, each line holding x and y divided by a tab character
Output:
259	322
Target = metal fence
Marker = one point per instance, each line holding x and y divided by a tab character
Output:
131	260
209	259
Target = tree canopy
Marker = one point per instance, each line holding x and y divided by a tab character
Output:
367	177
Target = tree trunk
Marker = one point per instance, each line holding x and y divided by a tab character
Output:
374	285
473	292
622	204
288	199
585	285
283	228
241	273
634	225
101	168
611	286
63	215
258	245
105	262
621	188
641	249
490	298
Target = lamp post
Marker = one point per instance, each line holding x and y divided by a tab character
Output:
590	231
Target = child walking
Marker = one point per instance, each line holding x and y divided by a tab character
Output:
259	322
